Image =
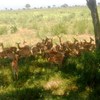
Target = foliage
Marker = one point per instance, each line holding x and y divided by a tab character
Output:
27	6
91	66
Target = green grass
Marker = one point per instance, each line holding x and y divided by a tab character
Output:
38	79
48	21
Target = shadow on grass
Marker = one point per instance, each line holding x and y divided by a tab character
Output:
23	94
95	94
36	93
4	81
5	62
68	69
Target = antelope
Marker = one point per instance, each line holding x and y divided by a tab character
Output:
75	40
23	51
58	47
9	49
14	65
21	48
55	57
39	46
35	51
4	49
49	44
88	46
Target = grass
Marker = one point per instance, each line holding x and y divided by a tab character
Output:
39	80
53	21
35	82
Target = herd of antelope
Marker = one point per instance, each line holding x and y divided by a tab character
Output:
53	53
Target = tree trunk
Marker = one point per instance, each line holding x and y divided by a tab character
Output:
95	18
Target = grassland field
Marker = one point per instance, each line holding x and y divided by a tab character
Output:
38	80
39	23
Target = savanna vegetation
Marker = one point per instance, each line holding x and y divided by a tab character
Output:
52	21
78	77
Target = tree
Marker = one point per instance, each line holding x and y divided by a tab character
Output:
6	8
95	19
49	6
11	9
27	6
54	6
64	5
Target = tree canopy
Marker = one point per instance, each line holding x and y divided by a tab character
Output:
27	6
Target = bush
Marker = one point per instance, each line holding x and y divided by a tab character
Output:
91	68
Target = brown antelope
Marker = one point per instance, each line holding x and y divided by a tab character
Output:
24	47
35	51
24	51
88	46
4	49
58	47
14	65
75	40
9	49
55	57
49	44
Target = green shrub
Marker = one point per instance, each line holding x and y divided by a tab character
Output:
91	65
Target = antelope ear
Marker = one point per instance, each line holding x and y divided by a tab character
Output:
24	42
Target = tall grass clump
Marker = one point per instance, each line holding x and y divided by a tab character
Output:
59	28
80	26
